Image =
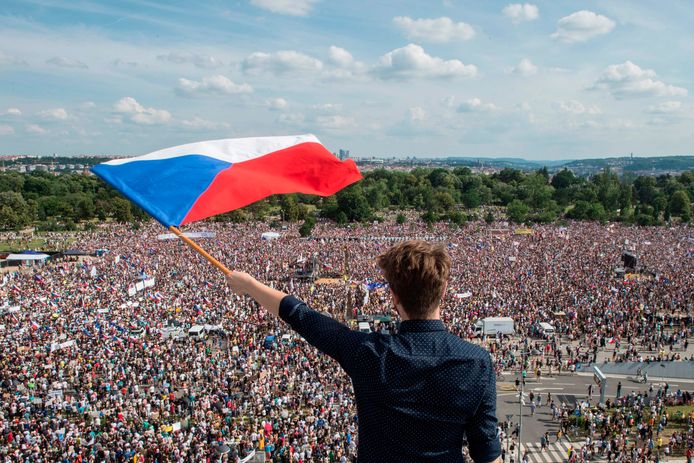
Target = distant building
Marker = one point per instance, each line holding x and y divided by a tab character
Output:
343	154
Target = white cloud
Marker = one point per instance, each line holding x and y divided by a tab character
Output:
281	62
88	105
67	63
476	105
125	64
524	68
15	112
345	67
138	114
576	107
629	80
412	61
417	114
439	30
288	7
6	130
55	114
198	123
340	57
213	85
35	129
335	122
10	60
291	118
276	104
666	107
201	61
448	101
581	26
519	12
327	107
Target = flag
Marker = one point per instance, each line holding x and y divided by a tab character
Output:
182	184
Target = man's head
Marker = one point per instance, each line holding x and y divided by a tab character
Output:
417	272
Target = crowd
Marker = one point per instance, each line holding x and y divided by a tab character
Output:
89	372
631	428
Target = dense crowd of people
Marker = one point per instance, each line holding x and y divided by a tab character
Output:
93	366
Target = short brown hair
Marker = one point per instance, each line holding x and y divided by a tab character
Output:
417	272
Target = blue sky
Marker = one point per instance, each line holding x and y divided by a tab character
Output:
540	80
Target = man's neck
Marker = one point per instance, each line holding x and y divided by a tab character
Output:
435	315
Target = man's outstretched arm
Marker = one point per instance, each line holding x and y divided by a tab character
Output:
270	298
327	335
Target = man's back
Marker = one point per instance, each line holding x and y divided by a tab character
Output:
418	392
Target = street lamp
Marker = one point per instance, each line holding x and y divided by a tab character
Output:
508	431
524	353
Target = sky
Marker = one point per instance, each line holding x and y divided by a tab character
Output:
544	80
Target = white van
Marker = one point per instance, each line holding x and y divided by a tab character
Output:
546	328
364	327
197	333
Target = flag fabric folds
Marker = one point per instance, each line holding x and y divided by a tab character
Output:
182	184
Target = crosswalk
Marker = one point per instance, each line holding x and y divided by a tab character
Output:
556	452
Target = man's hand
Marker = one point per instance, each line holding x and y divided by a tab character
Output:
242	283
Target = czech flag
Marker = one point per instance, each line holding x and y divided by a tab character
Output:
190	182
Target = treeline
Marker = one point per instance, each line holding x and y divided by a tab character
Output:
67	201
60	202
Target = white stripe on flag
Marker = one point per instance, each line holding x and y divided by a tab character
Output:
229	150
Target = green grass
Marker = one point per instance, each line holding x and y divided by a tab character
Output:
685	409
36	243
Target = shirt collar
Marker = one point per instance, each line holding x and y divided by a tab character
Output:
421	326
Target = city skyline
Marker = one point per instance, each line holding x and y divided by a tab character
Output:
534	80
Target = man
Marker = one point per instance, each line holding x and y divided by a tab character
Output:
420	392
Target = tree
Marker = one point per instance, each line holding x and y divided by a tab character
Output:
489	218
400	219
307	227
290	208
84	208
457	217
563	179
680	205
352	202
14	211
517	211
429	217
120	209
608	188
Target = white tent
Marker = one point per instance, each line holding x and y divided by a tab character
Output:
27	257
269	236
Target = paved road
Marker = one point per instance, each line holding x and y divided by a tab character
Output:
566	388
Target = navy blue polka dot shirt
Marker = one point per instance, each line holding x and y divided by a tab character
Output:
419	393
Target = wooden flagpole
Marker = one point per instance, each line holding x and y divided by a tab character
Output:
200	250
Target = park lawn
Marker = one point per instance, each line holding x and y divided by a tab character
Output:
19	245
36	243
685	409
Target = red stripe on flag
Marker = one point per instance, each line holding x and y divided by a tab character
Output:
304	168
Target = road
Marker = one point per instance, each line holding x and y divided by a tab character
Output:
564	388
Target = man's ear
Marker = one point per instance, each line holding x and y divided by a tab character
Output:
396	300
393	296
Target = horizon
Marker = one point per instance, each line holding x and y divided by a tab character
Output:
366	157
536	81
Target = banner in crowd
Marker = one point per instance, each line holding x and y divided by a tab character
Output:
140	286
63	345
171	236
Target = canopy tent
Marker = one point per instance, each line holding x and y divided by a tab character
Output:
269	236
75	252
28	257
